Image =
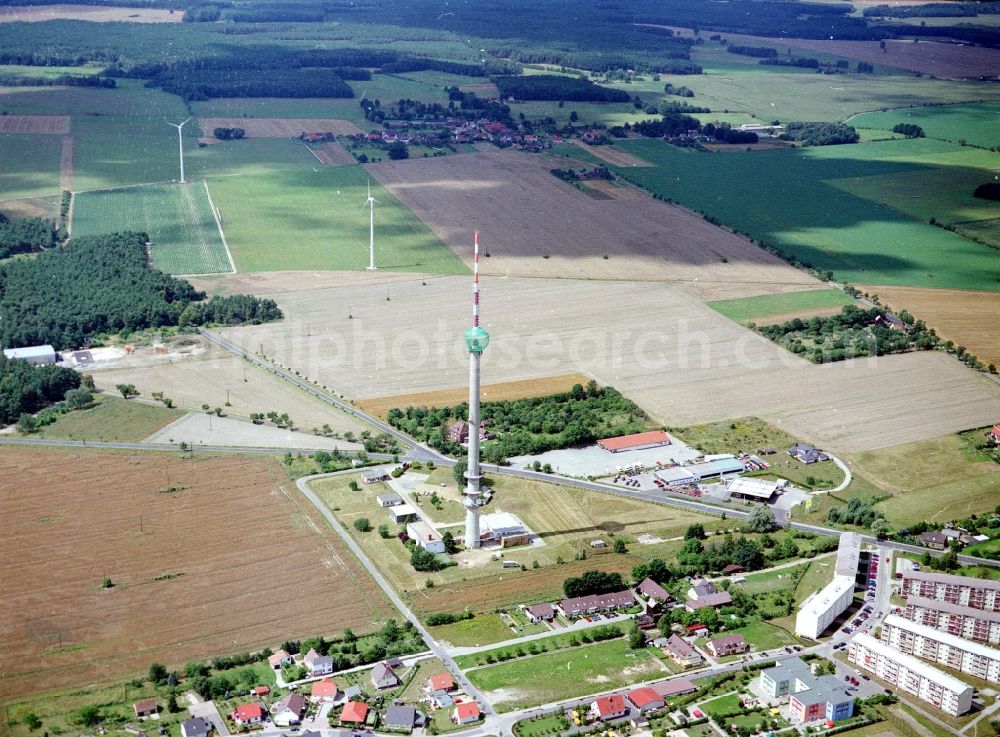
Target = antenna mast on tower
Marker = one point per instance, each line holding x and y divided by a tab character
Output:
476	340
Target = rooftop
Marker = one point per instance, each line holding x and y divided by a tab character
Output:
819	602
922	630
30	351
952	579
912	663
760	488
636	440
848	554
945	606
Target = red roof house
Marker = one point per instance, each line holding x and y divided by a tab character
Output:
323	690
466	712
609	707
645	699
354	712
260	690
247	714
637	441
145	708
440	682
994	434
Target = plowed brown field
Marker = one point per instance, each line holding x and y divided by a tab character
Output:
251	565
280	127
48	124
536	225
968	318
331	154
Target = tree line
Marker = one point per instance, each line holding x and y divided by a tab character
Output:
291	83
554	87
26	388
820	134
96	285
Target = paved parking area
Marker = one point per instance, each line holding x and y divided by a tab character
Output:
593	460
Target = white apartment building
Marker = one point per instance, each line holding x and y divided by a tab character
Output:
973	658
821	609
911	675
969	624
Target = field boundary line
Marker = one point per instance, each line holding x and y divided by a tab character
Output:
314	154
218	223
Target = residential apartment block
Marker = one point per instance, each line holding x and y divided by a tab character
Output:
969	624
974	593
912	638
821	609
911	675
810	697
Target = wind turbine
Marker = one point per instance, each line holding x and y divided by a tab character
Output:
180	144
370	202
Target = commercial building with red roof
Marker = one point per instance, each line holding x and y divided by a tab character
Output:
354	712
636	441
609	707
645	699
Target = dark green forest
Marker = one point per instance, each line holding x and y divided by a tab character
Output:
555	87
25	236
101	284
28	388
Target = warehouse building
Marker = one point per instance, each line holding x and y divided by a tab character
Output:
757	490
969	624
636	441
504	528
36	354
973	658
974	593
821	609
911	675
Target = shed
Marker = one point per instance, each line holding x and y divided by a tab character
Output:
36	354
402	513
389	499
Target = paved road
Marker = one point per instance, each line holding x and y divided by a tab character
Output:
60	443
432	644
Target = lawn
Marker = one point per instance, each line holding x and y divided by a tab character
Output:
769	581
980	549
541	726
722	705
555	642
20	70
765	636
975	123
555	676
177	217
483	629
111	419
29	165
816	222
768	305
932	480
313	219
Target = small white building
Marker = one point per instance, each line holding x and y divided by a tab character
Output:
425	536
402	513
36	354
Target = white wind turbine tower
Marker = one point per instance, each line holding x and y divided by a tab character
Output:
370	203
180	144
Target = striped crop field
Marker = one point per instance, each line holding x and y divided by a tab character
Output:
178	218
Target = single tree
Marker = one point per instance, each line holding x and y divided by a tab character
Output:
620	547
363	524
127	390
761	519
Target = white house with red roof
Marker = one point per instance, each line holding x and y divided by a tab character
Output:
324	691
441	682
609	707
247	714
466	713
645	699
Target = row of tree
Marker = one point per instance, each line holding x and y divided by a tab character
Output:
97	285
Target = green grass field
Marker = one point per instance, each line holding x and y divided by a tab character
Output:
761	583
816	222
20	70
554	676
129	99
110	419
312	219
765	636
767	305
29	165
977	123
177	217
483	629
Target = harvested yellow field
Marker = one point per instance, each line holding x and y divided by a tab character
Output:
379	406
92	13
533	224
967	318
680	360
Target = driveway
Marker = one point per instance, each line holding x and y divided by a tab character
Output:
207	710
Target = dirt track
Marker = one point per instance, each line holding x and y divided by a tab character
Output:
280	127
94	14
240	565
536	225
332	154
967	318
45	124
680	360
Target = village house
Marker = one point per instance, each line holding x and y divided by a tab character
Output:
196	727
722	598
354	712
440	682
807	453
994	434
645	699
400	718
246	714
145	708
324	691
466	713
609	707
279	659
289	710
316	664
541	613
581	605
383	676
653	591
440	700
680	652
727	645
459	432
697	630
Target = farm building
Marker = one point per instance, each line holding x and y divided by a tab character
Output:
36	354
402	513
807	453
503	528
758	490
636	441
596	603
424	535
727	645
389	499
676	476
